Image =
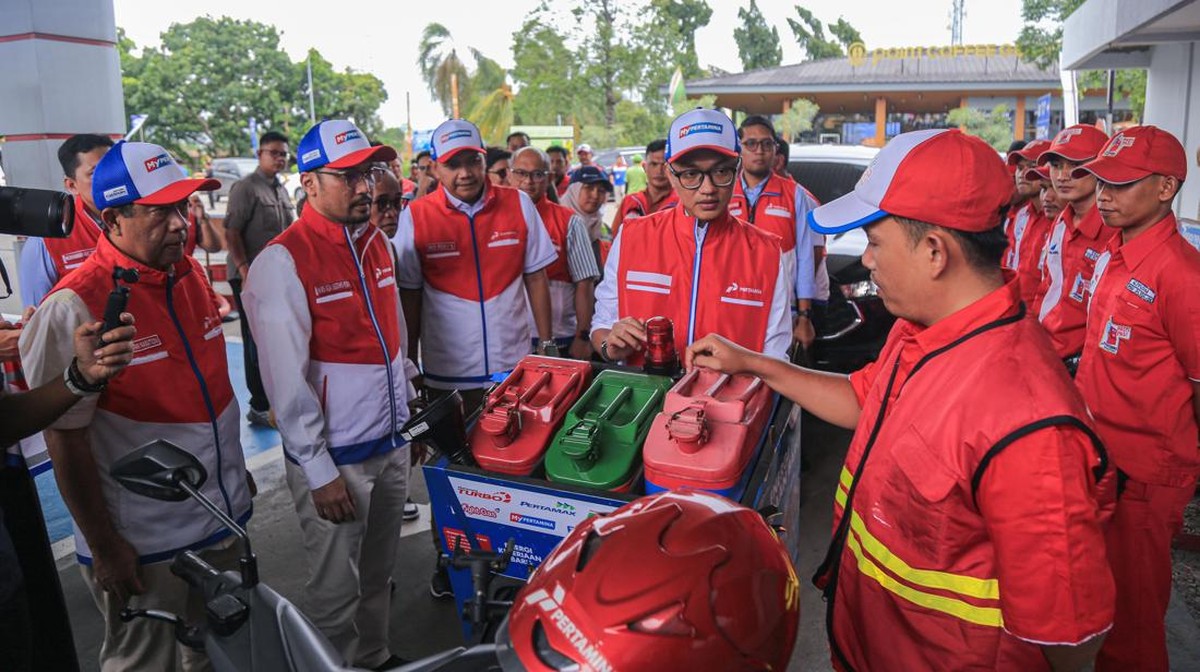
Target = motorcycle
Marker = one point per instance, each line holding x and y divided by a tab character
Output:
247	625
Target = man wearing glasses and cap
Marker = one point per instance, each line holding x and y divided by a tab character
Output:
323	294
695	263
966	524
176	388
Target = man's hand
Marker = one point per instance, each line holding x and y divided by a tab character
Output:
115	568
719	354
627	336
580	349
417	452
803	332
100	360
10	334
334	502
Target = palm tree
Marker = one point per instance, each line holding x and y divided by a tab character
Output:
440	65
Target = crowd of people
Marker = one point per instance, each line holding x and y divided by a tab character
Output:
1023	449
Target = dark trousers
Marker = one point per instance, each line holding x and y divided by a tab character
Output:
258	396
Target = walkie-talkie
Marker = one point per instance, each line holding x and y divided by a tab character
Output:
118	298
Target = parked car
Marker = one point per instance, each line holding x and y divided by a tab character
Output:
856	323
230	170
291	182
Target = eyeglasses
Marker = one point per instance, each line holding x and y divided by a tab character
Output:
532	175
753	145
352	178
420	169
501	173
277	153
395	203
721	176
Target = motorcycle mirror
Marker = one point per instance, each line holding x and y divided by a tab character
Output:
156	469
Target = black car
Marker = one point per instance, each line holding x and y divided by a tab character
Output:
855	323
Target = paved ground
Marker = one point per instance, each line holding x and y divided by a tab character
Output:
422	625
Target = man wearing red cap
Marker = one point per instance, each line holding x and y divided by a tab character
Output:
1140	376
176	388
322	294
707	271
966	534
1076	241
1026	225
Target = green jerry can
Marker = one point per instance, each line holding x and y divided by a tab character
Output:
600	443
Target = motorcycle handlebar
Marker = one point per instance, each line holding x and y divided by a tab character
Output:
193	569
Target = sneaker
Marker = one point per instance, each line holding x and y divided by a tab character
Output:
259	418
411	512
439	584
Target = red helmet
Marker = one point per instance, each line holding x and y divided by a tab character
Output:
687	577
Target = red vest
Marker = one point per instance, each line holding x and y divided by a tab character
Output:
70	252
472	258
774	211
342	326
916	584
638	204
556	218
723	286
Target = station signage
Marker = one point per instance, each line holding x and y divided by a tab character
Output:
860	55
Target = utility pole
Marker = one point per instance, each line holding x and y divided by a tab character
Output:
957	12
408	126
312	106
454	96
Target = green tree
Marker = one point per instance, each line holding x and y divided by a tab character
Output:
341	95
609	63
665	37
438	59
994	127
544	70
207	78
810	34
1040	41
758	43
798	119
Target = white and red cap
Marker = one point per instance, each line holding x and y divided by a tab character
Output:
702	129
1136	153
1081	142
337	143
1037	174
943	177
454	136
139	172
1029	152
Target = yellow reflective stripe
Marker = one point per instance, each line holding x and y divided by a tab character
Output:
988	589
986	616
843	487
847	478
840	497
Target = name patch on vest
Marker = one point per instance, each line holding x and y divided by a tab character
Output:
76	258
1140	290
1091	255
333	291
144	345
778	211
736	212
441	250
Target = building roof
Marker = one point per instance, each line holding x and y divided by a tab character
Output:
924	72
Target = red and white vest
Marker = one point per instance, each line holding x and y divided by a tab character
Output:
557	219
474	314
356	350
68	254
773	212
176	388
724	285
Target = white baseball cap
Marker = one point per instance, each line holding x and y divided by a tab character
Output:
337	143
139	172
584	148
454	136
702	129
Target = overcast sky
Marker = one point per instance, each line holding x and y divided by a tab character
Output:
381	36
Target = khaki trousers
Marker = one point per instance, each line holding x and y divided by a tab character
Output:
347	595
144	644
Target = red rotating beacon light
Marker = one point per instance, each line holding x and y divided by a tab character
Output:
662	359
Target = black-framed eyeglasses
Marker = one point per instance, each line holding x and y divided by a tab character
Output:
753	145
501	173
278	154
691	178
395	203
533	175
352	178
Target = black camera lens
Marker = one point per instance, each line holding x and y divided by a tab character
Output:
43	213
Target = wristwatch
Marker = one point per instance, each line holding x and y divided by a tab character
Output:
77	384
548	348
604	350
804	312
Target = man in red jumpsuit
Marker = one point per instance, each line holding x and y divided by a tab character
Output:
966	525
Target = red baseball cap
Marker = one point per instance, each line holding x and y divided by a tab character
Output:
942	176
1037	174
1029	152
1136	153
1081	142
